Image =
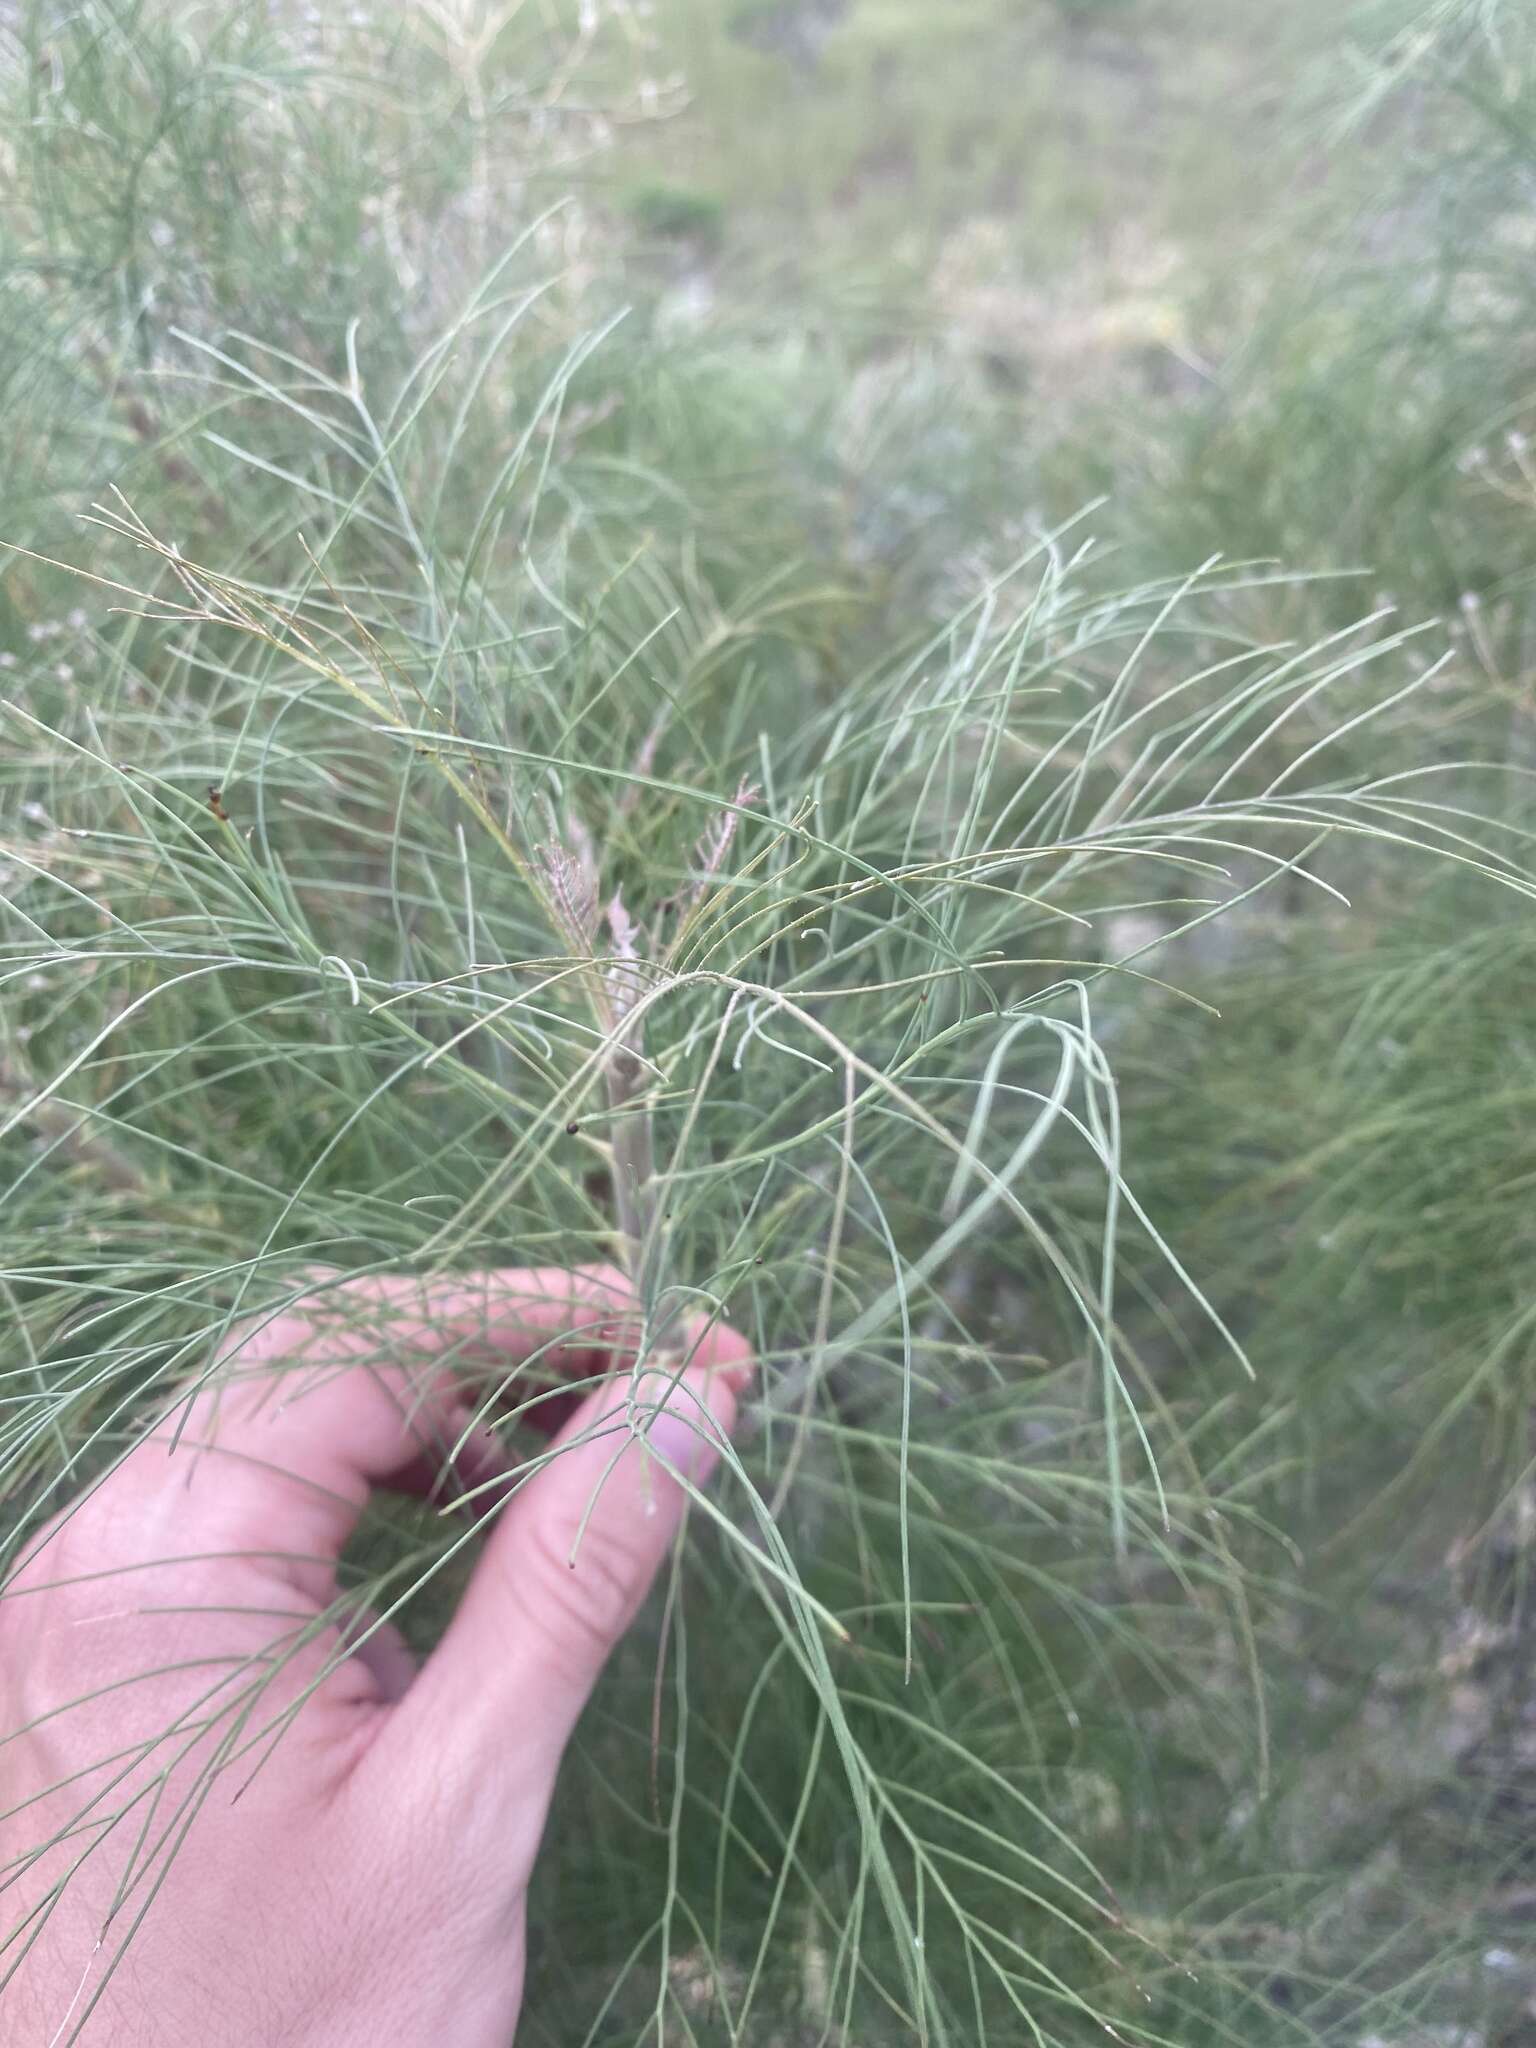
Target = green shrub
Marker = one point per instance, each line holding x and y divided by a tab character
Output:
556	671
676	213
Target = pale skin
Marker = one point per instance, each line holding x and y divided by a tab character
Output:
368	1883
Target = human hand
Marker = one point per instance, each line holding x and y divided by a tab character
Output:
174	1639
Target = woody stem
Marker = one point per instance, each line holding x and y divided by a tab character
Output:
634	1190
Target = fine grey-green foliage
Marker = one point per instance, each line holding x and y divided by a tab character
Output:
350	1021
1354	1159
1382	415
1365	420
988	1708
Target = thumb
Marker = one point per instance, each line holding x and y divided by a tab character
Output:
568	1563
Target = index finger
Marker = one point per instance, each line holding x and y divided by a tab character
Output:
275	1448
372	1375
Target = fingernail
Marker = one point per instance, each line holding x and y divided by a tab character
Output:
685	1434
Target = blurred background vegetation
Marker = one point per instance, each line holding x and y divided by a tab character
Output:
904	285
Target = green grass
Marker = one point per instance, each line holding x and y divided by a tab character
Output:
1115	1619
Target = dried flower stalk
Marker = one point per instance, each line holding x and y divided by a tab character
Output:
565	872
